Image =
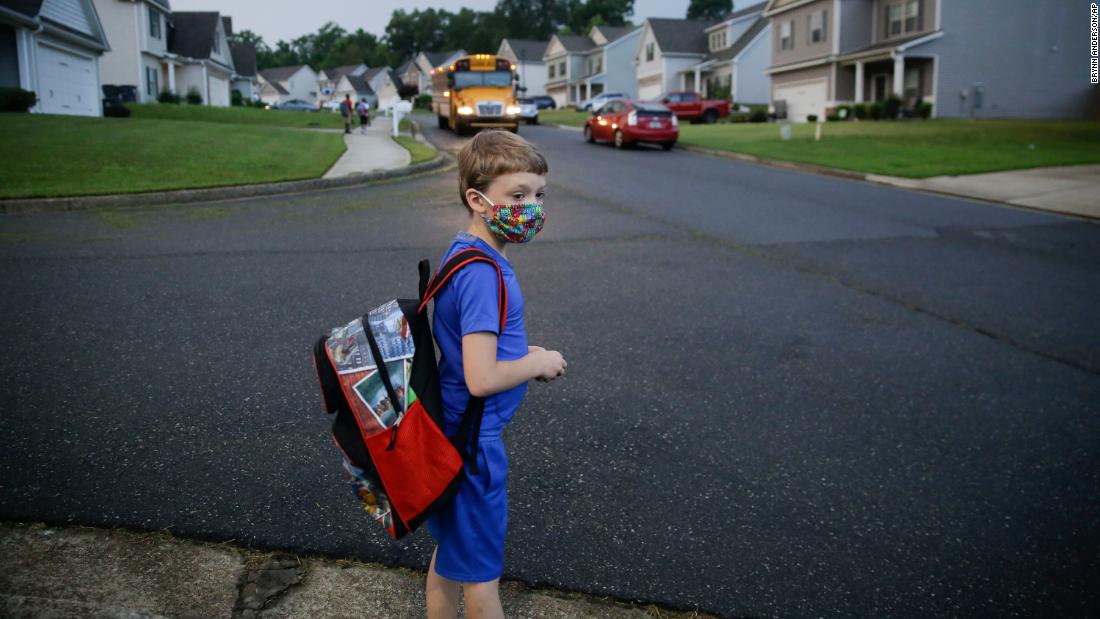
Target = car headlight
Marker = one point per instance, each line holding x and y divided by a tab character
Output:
465	110
512	110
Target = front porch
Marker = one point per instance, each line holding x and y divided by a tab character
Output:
711	79
584	89
876	78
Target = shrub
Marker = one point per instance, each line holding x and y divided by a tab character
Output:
423	102
891	108
811	118
168	97
924	109
875	110
115	109
236	98
759	116
193	96
16	100
843	112
832	117
859	110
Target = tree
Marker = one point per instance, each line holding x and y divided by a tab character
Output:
531	19
711	10
582	16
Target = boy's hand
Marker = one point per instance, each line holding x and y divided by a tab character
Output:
550	363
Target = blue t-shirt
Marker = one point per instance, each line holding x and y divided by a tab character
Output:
468	304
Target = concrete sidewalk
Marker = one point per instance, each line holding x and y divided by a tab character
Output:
1071	190
370	151
78	572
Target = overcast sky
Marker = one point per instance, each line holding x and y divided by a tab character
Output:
287	19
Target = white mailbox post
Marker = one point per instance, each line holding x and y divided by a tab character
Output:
400	108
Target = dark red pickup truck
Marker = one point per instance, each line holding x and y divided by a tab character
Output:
691	107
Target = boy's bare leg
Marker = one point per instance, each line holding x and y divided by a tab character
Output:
442	594
483	600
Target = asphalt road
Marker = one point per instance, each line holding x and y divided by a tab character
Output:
788	394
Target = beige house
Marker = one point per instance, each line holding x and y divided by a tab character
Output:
667	51
564	60
826	52
425	63
328	81
527	56
139	56
280	84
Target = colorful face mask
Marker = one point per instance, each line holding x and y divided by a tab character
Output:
514	223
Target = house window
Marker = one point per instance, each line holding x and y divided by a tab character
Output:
217	44
786	35
154	23
649	52
561	68
151	79
818	19
903	17
551	69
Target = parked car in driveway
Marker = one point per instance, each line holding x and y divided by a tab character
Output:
296	104
625	123
528	110
691	107
599	100
545	102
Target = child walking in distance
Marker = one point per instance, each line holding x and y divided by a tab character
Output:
502	181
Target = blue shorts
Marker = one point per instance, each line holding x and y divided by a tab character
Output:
470	529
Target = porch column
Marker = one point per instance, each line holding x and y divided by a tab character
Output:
588	89
683	81
859	81
171	77
698	88
899	75
205	86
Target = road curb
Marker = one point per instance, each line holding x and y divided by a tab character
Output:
210	194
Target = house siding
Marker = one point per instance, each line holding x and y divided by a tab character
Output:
619	65
1044	78
673	66
751	83
120	65
928	18
855	25
148	43
69	13
802	50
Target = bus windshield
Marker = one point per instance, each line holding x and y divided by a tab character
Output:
464	79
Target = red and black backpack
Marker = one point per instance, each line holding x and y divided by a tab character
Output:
378	376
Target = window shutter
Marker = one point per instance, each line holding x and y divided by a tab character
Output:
809	29
825	25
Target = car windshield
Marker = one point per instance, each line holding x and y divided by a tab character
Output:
464	79
526	100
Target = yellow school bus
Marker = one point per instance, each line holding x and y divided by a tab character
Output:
475	91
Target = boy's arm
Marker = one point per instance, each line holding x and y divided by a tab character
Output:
486	376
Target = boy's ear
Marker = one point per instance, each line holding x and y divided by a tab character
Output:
475	201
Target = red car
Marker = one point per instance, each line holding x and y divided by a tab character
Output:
625	123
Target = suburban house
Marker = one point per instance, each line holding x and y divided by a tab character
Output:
527	56
739	55
428	61
564	60
409	74
244	78
329	79
609	64
975	59
139	56
281	84
53	48
667	51
198	39
383	82
357	87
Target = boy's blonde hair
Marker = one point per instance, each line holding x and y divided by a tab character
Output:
491	154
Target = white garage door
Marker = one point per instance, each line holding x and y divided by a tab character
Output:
649	92
219	92
802	99
66	83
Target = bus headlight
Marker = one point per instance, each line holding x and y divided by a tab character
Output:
512	110
465	110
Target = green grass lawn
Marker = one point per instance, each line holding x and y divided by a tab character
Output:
914	149
238	115
564	116
49	156
417	151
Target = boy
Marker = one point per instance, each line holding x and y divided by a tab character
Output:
364	115
502	180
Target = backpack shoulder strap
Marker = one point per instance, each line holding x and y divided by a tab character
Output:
455	263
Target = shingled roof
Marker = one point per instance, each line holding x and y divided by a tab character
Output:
527	50
244	58
280	74
360	84
614	33
742	41
574	43
680	36
192	34
759	6
30	8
